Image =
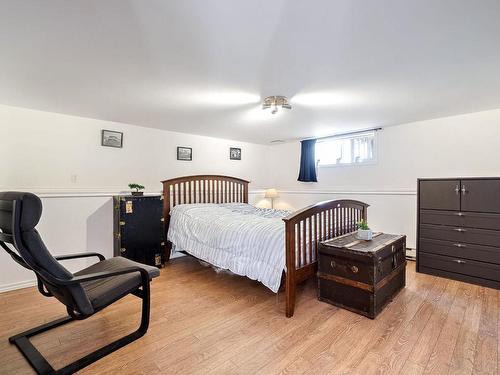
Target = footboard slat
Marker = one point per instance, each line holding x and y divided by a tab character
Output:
304	243
308	258
305	228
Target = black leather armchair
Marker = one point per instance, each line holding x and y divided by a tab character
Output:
84	293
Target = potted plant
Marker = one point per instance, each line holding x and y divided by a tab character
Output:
137	188
364	231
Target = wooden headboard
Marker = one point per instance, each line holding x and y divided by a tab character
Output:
202	189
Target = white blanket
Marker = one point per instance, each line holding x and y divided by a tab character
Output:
246	240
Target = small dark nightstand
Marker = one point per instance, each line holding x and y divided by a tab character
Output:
362	276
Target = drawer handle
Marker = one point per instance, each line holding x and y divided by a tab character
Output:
460	214
393	248
460	230
464	190
459	245
459	261
457	189
333	264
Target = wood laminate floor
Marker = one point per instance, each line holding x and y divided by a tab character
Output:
208	323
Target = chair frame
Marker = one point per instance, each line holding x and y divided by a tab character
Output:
21	340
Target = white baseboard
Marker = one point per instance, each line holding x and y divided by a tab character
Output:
18	285
411	253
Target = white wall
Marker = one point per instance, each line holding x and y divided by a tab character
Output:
48	148
465	145
41	151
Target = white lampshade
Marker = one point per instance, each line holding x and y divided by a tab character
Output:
271	193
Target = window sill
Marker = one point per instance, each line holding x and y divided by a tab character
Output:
367	163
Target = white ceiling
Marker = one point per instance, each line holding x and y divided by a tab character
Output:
202	66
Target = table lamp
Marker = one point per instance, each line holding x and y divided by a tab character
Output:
271	193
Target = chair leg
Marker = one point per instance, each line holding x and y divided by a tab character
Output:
32	355
42	366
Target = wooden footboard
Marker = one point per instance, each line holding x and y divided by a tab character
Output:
304	229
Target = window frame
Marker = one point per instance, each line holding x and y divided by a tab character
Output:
372	161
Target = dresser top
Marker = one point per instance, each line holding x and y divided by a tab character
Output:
351	242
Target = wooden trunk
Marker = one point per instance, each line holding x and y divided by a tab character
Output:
361	276
138	229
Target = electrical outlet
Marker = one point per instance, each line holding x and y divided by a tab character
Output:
73	178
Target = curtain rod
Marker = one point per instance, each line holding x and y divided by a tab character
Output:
350	133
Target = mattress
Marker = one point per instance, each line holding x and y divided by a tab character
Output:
241	238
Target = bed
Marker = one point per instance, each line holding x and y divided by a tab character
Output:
211	220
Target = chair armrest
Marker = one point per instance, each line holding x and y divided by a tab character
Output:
80	255
105	274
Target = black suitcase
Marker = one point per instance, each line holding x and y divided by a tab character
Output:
139	229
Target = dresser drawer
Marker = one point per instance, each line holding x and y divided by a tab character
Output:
461	219
460	234
462	266
460	250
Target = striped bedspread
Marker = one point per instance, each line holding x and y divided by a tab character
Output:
246	240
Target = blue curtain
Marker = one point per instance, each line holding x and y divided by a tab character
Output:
307	161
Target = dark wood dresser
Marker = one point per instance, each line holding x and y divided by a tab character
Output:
458	229
361	276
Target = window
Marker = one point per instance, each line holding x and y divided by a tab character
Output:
349	149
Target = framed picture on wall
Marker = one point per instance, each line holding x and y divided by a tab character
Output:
235	153
184	153
110	138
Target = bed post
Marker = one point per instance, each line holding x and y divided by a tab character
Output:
166	219
290	282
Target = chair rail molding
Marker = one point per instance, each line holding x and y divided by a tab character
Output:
111	191
350	192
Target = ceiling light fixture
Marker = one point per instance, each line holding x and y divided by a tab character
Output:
274	102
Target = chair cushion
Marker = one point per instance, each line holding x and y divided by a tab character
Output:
102	292
30	214
44	260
